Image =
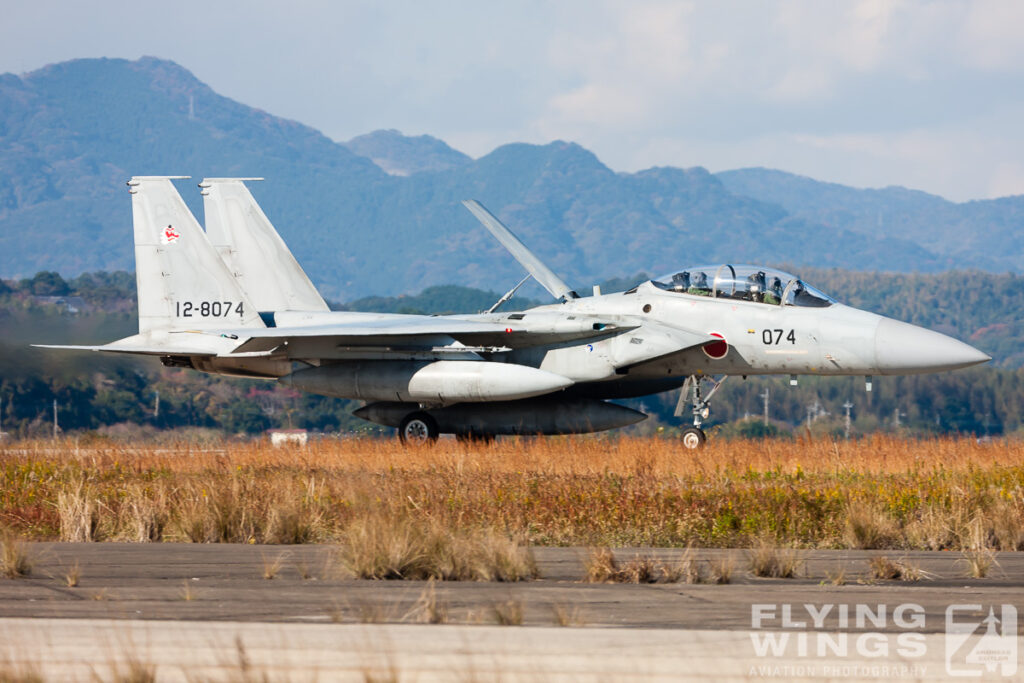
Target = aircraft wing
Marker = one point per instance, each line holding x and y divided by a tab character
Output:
540	272
431	332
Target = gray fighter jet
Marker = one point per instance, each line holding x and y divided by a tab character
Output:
234	301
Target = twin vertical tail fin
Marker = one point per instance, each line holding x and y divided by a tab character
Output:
253	250
183	284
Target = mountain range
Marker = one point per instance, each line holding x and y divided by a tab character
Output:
381	214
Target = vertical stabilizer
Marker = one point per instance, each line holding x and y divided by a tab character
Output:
182	283
253	250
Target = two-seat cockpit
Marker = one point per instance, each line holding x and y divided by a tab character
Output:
745	283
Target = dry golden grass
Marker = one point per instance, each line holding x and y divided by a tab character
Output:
507	613
428	609
601	566
979	562
768	560
566	615
272	565
722	569
896	570
73	575
687	569
402	547
15	558
881	492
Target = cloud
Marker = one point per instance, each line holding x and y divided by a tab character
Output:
991	36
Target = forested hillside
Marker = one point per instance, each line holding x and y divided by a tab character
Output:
978	234
72	133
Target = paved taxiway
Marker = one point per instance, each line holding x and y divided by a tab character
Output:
187	607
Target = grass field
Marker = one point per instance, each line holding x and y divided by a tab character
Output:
876	493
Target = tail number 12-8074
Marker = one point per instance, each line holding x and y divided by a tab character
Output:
777	336
207	309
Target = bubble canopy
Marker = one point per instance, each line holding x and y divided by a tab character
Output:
745	283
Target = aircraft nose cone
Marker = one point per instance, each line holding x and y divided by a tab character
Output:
901	348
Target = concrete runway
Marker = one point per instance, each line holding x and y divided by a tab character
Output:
190	605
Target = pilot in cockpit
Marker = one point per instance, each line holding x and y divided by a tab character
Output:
700	284
681	281
756	286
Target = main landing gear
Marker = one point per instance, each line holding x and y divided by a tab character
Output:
418	429
694	437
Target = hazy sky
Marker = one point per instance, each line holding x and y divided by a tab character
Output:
924	94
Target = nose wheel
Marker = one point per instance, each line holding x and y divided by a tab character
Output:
691	393
418	429
693	438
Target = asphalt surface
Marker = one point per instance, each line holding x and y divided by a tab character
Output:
124	650
168	581
180	612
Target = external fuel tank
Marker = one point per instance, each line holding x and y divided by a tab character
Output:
440	382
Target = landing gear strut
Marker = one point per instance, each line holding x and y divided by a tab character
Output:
418	429
694	437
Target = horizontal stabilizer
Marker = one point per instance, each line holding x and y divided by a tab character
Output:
139	350
190	343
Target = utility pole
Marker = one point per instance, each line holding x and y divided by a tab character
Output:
847	405
896	418
156	405
55	426
765	397
814	411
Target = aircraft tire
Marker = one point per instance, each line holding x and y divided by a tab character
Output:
418	429
693	438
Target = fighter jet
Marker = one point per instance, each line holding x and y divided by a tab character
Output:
233	301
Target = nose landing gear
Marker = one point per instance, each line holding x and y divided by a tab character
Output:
694	437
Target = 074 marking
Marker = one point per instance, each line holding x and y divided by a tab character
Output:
207	309
775	337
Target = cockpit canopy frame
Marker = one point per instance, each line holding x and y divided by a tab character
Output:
759	284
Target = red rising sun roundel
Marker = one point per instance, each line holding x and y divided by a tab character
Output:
169	235
716	349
